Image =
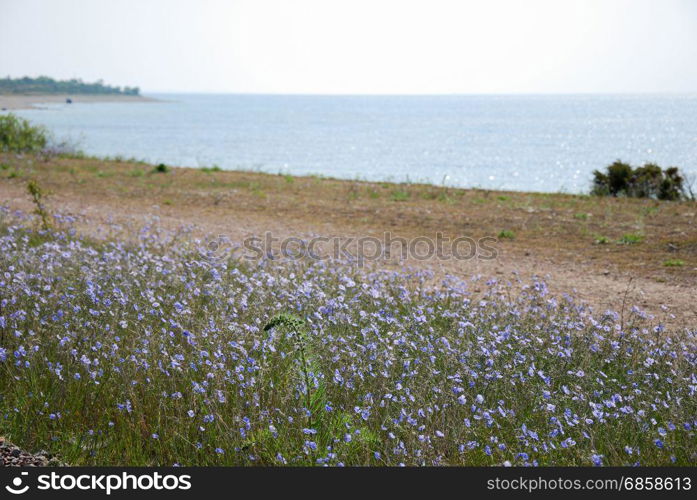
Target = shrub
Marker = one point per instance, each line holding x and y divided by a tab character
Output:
506	234
649	181
161	169
672	186
645	181
18	135
614	181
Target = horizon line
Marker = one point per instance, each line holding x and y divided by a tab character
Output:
424	94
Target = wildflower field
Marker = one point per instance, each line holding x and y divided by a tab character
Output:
150	352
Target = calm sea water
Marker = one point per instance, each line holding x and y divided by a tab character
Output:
528	143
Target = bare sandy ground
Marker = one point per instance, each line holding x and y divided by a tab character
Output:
10	102
672	304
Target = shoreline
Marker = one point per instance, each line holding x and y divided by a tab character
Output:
11	102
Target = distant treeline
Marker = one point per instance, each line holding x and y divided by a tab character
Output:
47	85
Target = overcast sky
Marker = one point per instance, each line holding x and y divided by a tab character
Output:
357	46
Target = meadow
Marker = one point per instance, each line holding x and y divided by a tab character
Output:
152	351
127	339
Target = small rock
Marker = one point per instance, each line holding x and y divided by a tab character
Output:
13	456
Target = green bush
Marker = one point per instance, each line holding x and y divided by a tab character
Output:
614	181
649	181
18	135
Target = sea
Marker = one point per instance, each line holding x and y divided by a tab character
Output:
542	143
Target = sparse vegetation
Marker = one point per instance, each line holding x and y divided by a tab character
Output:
631	239
210	170
399	195
506	234
673	263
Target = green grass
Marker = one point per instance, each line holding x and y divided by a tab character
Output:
673	263
210	170
631	239
399	195
444	198
506	234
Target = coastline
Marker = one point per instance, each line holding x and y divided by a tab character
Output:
10	102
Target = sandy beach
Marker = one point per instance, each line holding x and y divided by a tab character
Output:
26	101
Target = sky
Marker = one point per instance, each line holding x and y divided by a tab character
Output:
357	46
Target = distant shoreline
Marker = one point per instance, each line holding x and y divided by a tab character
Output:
10	102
